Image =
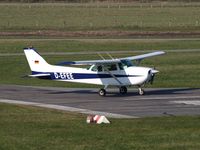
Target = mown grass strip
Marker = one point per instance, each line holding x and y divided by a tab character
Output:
31	17
92	45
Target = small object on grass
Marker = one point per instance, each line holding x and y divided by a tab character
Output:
97	119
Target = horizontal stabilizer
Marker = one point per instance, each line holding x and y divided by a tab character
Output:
40	75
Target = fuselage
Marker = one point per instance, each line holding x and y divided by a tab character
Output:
131	75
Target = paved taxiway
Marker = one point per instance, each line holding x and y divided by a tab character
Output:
156	102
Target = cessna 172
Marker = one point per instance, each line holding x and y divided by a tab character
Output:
118	72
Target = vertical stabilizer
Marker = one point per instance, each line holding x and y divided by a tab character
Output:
35	61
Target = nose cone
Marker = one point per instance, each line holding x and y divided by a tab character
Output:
153	71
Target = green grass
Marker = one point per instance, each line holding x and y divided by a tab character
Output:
31	17
177	69
92	45
34	128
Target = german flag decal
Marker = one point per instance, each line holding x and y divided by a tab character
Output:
36	61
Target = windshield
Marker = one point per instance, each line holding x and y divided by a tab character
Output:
127	63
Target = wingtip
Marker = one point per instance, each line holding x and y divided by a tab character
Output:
29	48
162	52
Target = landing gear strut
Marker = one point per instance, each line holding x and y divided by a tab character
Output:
122	90
140	91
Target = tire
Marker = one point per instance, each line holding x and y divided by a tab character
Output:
141	91
102	92
123	90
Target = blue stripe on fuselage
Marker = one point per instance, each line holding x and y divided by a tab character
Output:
72	76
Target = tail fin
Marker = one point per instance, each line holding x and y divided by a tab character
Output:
35	61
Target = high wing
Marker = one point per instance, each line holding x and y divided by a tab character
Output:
90	62
140	57
108	61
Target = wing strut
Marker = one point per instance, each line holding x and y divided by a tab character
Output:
114	76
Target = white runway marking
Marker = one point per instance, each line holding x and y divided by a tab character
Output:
66	108
166	97
188	102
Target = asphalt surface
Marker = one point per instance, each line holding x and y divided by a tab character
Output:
156	102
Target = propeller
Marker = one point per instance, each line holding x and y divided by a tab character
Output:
153	72
152	78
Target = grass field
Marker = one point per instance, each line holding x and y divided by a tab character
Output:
34	128
92	45
177	69
68	17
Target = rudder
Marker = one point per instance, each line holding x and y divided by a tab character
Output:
35	61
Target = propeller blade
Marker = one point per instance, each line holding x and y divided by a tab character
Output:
152	78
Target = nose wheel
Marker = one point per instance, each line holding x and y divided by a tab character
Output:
141	91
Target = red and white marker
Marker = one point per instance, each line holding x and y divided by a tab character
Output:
97	119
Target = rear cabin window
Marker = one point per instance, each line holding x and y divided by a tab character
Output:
94	68
97	68
100	68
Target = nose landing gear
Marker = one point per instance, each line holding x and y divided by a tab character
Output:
140	91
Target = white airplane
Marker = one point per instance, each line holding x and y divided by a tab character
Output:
119	72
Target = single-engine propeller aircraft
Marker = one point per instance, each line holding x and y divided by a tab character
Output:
120	72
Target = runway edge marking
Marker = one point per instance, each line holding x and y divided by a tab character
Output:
191	102
66	108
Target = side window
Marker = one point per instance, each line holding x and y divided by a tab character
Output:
121	67
99	68
111	67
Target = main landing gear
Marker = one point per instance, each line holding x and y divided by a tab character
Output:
122	90
102	92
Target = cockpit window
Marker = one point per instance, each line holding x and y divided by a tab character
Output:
126	63
111	67
121	67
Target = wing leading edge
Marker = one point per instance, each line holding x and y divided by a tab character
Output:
108	61
140	57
